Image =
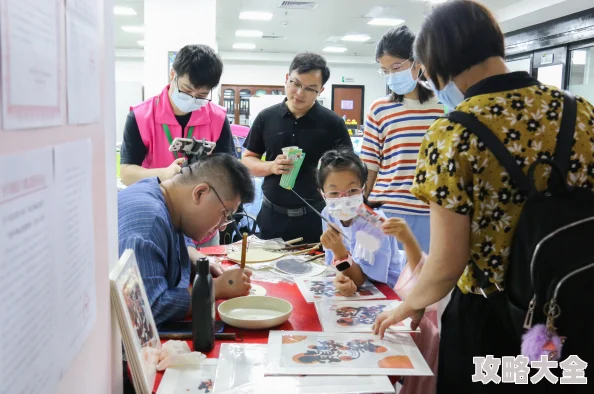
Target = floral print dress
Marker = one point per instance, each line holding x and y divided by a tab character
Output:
458	172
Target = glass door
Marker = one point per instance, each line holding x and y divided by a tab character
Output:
520	64
549	66
581	72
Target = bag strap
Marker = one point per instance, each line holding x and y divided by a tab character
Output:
497	148
565	137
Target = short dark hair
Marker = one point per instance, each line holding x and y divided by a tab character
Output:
398	42
342	159
455	36
224	172
308	61
202	65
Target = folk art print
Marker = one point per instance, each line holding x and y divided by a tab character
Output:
318	289
356	316
314	353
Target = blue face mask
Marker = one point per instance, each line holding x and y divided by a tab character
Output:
450	95
401	82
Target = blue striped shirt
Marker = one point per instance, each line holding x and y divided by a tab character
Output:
144	225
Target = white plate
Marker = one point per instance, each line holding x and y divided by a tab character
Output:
255	256
255	312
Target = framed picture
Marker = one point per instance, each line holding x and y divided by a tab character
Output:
139	332
241	368
323	288
170	59
324	353
189	380
356	316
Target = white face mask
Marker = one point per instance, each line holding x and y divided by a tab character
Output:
184	102
344	208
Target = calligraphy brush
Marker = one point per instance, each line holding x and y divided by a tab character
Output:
320	215
243	250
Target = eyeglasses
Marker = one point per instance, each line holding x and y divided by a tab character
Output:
299	87
186	96
348	193
228	217
394	68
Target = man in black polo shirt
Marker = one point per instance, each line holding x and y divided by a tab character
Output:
299	121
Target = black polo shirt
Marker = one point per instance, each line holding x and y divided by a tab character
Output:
317	132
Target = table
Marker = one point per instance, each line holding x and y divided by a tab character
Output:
303	318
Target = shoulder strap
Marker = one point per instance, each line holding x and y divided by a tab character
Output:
566	133
496	147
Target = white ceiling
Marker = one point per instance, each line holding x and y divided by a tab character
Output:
129	40
308	30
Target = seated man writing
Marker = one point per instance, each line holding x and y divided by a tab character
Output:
158	220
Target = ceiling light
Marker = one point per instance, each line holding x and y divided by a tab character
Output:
334	49
256	16
141	43
248	33
243	45
119	10
376	11
133	29
356	37
386	22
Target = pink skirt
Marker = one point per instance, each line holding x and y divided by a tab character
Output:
428	339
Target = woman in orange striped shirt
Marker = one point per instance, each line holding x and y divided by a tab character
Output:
394	129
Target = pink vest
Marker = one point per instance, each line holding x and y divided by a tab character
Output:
153	113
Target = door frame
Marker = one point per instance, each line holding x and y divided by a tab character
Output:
351	87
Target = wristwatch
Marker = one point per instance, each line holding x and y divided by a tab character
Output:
343	264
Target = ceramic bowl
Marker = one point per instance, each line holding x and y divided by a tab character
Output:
255	312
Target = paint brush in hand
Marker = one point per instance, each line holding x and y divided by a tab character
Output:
243	250
320	215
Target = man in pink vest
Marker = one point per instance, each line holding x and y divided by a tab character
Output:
183	109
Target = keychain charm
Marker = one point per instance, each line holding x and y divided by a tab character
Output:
542	339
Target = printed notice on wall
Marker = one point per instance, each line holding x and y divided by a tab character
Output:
30	63
47	269
83	57
76	257
346	104
27	274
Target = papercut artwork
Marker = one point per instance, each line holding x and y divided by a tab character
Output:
356	316
315	353
319	289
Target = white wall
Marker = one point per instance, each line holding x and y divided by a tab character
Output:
242	72
129	76
174	24
129	70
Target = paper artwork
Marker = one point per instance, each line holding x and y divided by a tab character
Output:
139	332
315	353
189	380
356	316
241	370
323	288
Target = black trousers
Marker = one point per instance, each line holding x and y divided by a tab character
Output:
472	326
276	225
